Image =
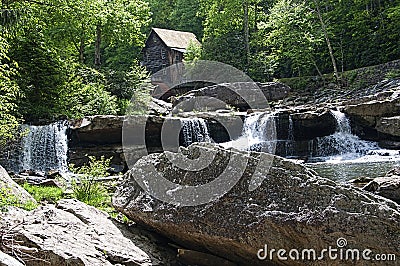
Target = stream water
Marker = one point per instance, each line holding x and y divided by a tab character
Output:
341	156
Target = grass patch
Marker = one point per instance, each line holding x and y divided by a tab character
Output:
7	199
44	194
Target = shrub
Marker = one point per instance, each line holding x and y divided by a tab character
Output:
88	189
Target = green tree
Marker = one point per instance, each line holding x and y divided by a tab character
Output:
9	92
161	10
292	35
186	17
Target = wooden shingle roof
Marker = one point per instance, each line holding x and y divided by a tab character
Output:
176	39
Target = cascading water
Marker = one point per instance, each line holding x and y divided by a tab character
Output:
290	141
343	142
258	134
194	130
45	148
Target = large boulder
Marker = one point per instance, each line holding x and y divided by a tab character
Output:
369	113
9	187
307	124
230	94
293	208
389	125
73	233
387	186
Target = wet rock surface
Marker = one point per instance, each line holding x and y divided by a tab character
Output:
292	208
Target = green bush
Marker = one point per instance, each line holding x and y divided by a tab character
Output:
89	99
89	190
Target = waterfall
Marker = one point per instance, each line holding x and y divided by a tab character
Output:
45	148
290	140
258	134
343	142
194	130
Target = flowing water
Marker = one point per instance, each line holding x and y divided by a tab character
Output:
258	134
343	156
342	145
194	130
290	141
45	148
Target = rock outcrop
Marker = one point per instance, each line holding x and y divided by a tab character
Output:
293	208
387	186
370	112
102	135
389	125
8	186
307	123
377	118
73	233
230	94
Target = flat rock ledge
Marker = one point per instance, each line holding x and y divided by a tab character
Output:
73	233
293	208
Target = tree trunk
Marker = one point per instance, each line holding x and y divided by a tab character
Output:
97	53
246	31
328	43
81	51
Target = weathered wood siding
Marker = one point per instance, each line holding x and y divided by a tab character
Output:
155	54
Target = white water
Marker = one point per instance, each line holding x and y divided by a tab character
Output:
258	134
343	145
194	130
290	141
45	148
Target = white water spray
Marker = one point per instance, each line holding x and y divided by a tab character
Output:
45	148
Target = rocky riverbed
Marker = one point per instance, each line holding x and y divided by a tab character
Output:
274	201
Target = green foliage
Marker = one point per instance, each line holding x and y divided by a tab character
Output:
287	36
186	17
88	99
89	190
161	10
8	199
9	92
193	53
44	194
141	98
42	74
393	74
123	84
291	34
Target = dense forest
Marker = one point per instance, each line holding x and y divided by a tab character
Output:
61	58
